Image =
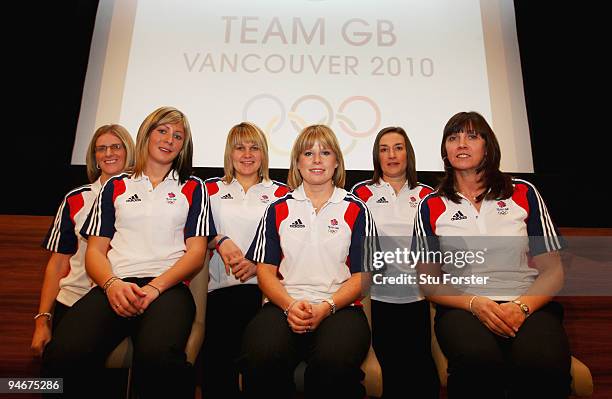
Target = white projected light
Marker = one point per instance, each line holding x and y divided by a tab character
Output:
356	66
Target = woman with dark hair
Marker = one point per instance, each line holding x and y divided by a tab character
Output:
146	235
392	195
499	329
110	152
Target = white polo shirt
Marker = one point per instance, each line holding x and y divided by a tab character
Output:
64	237
236	215
394	216
148	226
315	253
511	230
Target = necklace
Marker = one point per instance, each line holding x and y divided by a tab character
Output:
471	196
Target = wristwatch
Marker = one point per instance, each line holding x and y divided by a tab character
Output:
331	303
523	307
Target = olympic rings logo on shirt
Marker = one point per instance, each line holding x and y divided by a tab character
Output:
277	120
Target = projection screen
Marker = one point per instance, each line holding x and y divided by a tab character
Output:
355	65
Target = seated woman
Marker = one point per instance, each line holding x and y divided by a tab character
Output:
147	234
392	195
110	152
310	247
499	329
237	202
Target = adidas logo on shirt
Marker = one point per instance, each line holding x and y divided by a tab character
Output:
133	198
382	200
458	216
227	196
297	224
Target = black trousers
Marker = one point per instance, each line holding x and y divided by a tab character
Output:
401	338
228	311
334	353
59	311
91	330
481	364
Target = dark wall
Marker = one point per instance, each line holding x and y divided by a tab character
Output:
59	94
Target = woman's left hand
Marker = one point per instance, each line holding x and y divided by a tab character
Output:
151	294
320	311
244	270
514	316
42	336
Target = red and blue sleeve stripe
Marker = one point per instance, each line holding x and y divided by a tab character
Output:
199	221
281	190
266	247
101	219
425	190
428	213
212	185
543	234
364	237
362	191
61	236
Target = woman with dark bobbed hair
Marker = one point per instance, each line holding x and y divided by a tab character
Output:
503	338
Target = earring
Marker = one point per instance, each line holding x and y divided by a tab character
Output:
97	166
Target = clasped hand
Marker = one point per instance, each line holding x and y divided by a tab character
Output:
304	317
503	319
234	260
128	299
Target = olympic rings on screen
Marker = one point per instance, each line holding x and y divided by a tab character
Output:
280	115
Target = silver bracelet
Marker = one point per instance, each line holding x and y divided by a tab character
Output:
472	300
48	315
286	311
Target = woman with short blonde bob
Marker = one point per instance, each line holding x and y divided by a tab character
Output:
309	250
238	200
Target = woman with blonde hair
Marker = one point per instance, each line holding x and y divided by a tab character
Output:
147	235
311	247
110	152
238	200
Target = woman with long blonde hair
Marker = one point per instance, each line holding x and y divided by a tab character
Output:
147	234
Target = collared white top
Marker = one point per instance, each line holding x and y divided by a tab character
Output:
519	227
315	253
148	226
394	217
236	215
64	237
